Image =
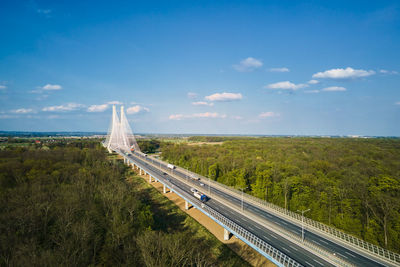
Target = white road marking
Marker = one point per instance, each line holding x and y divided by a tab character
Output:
318	262
341	255
258	227
309	264
278	223
284	222
316	242
286	249
266	237
349	254
293	247
274	236
324	241
251	228
245	219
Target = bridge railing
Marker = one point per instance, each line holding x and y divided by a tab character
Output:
334	232
296	239
337	234
274	254
238	230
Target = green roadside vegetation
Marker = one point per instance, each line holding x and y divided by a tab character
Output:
350	183
170	219
69	203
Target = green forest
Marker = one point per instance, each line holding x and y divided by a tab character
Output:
350	183
69	203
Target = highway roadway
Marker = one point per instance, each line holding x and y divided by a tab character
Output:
297	253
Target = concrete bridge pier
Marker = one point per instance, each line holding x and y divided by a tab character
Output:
150	178
164	189
140	171
227	235
186	205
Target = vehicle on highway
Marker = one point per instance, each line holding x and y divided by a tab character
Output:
194	177
170	166
200	196
193	190
201	184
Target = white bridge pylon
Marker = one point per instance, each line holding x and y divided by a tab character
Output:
120	135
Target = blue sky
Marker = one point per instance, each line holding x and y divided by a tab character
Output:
210	67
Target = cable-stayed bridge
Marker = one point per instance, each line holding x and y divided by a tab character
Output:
274	232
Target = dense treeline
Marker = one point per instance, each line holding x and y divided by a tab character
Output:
149	146
353	184
216	138
68	205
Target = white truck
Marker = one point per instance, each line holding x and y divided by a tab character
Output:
200	196
170	166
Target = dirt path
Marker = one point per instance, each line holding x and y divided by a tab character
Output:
238	246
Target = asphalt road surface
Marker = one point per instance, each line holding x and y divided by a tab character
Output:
292	250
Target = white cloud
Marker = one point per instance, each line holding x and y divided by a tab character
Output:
278	70
388	72
66	107
114	103
137	109
213	115
334	89
209	115
6	116
23	111
286	85
248	64
44	11
2	87
347	73
53	117
52	87
97	108
313	81
176	117
237	117
192	95
311	91
224	97
202	103
268	114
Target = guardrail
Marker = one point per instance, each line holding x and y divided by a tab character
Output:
314	249
238	230
275	255
337	234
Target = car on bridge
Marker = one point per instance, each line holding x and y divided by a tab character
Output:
194	190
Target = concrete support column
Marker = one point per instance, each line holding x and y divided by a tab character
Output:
227	235
164	189
186	205
149	178
140	171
